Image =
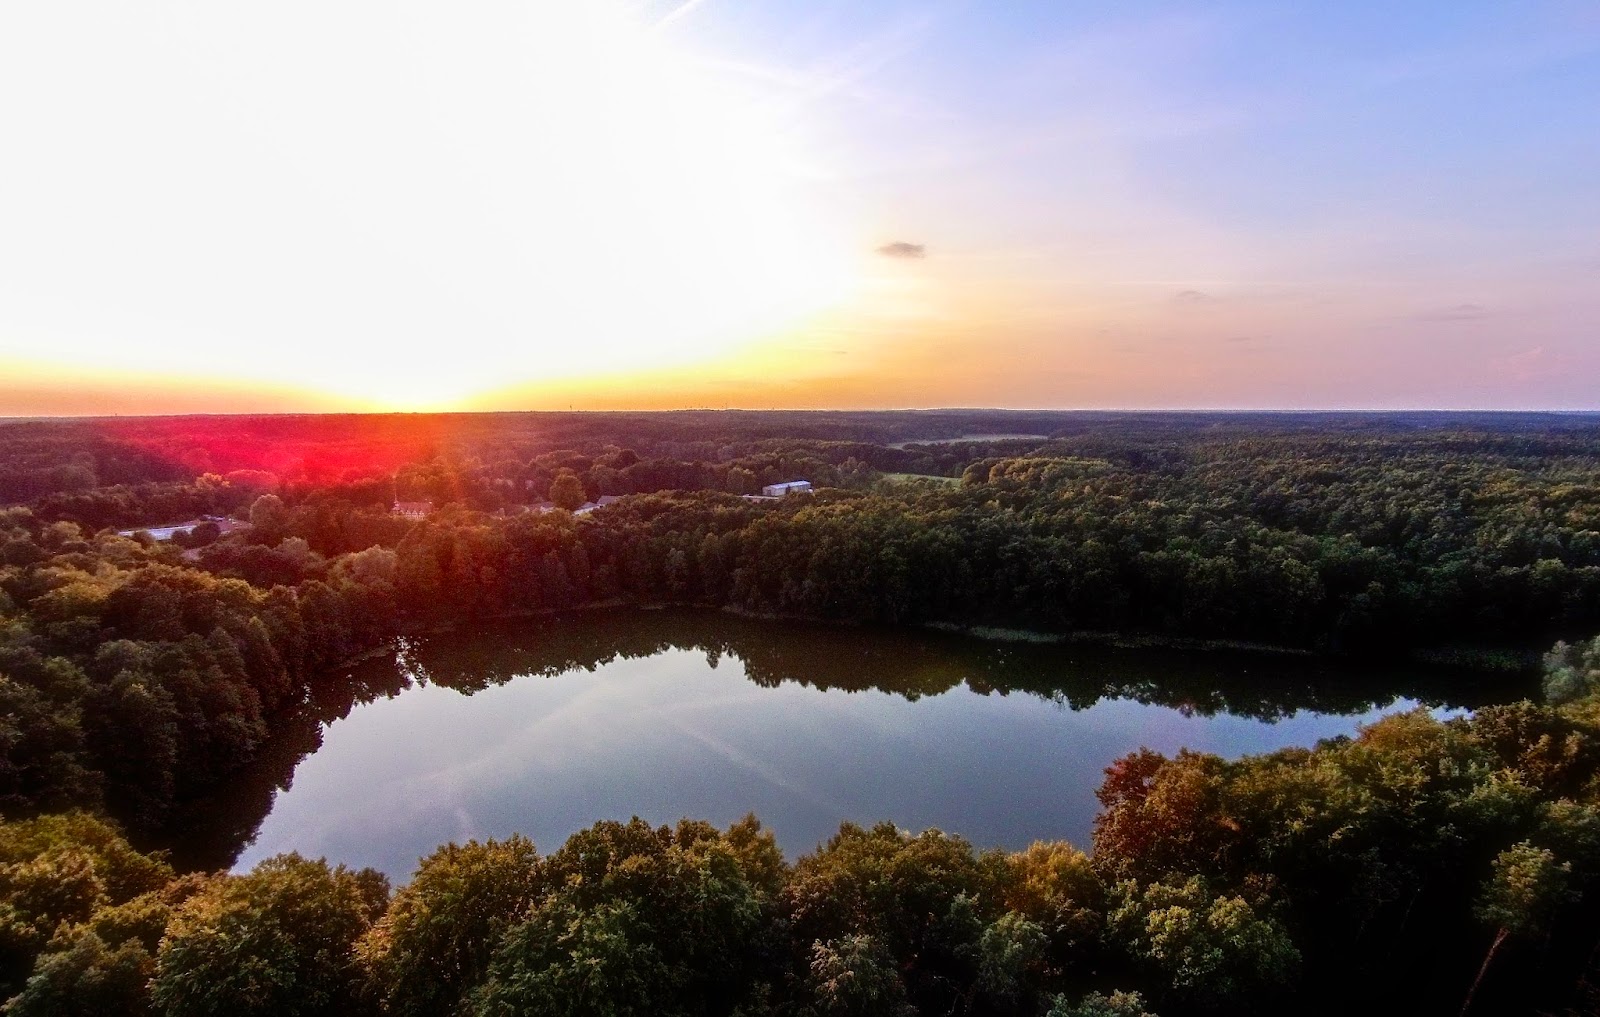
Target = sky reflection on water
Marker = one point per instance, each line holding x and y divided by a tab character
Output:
670	735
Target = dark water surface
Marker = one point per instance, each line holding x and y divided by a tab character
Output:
547	725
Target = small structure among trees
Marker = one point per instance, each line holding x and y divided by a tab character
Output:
413	509
787	488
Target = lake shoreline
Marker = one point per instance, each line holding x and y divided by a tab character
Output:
1505	661
578	717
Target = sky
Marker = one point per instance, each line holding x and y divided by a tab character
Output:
597	204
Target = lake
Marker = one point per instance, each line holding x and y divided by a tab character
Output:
546	725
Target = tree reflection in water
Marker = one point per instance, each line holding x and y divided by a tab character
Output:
912	664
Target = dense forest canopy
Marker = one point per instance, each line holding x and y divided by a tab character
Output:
140	674
137	677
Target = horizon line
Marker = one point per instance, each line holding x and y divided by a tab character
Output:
1162	411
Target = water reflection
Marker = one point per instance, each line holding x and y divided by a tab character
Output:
545	725
914	663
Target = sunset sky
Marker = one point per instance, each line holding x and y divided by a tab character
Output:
797	203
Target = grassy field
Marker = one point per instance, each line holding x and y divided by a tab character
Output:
908	478
969	438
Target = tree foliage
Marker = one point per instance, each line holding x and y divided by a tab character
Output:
279	941
138	676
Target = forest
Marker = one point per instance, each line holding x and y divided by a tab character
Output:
138	677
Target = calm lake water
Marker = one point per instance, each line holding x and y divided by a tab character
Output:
547	725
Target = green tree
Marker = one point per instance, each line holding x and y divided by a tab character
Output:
1010	951
1525	891
925	898
269	518
854	976
1572	671
43	757
566	490
435	942
1055	886
637	920
89	978
61	871
1118	1004
1217	950
278	941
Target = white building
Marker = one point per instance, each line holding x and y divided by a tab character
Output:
413	509
791	487
589	506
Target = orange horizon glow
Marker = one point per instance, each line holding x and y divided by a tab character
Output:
649	204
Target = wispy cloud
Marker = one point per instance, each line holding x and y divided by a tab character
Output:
678	12
847	71
1458	312
1526	365
903	249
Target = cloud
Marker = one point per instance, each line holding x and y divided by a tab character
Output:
678	12
1191	298
902	249
1460	312
1529	365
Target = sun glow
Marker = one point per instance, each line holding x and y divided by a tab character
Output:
651	215
409	206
